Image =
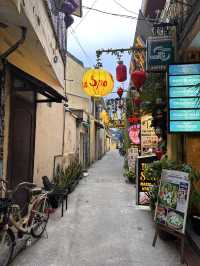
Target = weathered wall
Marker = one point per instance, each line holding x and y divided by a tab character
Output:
70	134
192	153
48	139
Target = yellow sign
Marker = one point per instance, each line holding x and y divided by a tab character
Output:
97	82
105	117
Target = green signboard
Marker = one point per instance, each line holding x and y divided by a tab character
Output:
160	53
184	98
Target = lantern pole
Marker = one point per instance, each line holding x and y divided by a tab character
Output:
117	52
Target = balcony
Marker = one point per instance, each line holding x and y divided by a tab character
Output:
58	24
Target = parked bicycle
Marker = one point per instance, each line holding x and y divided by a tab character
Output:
24	210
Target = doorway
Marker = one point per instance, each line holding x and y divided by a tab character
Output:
22	133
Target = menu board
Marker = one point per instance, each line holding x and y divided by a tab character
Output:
149	140
144	183
184	102
173	198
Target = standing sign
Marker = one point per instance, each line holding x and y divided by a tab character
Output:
183	99
160	52
144	183
173	198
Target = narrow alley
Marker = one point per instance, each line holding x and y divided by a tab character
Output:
102	226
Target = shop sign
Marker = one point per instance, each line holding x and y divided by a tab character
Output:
144	184
134	134
173	199
133	153
183	100
149	140
160	53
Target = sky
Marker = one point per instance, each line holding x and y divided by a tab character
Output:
96	31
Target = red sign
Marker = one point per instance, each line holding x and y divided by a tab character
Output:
134	134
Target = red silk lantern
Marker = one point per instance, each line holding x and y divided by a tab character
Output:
138	77
120	92
133	119
137	101
121	72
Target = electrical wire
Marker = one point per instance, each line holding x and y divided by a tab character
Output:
81	47
86	14
118	15
123	7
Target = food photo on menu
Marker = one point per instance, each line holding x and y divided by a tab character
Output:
172	204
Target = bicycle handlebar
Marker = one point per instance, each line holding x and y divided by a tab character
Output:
3	180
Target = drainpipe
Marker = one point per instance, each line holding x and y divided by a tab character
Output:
64	112
16	45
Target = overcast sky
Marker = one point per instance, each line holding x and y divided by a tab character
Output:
96	31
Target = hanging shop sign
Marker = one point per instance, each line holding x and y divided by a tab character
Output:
97	82
173	199
134	134
104	116
132	155
160	53
183	99
144	184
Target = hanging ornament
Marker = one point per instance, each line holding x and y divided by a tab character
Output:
97	82
120	92
138	78
137	101
121	72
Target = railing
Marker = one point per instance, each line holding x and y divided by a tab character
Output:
179	11
59	27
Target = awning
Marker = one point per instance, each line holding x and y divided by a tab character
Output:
38	86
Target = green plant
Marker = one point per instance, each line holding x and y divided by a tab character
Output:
130	175
64	178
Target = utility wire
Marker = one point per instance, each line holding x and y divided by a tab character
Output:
81	47
123	7
86	14
118	15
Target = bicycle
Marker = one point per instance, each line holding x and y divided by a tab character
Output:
31	218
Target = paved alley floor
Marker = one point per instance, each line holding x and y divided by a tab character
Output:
102	226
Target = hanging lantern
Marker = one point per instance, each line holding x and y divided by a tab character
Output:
121	72
138	78
120	92
137	101
97	82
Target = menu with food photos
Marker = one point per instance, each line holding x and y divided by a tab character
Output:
173	199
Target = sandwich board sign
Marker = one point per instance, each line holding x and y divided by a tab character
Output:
172	204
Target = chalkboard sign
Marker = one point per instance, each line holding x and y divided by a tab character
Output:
143	183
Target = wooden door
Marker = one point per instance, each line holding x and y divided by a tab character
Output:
22	141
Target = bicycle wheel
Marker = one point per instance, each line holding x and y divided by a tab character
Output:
6	247
40	218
